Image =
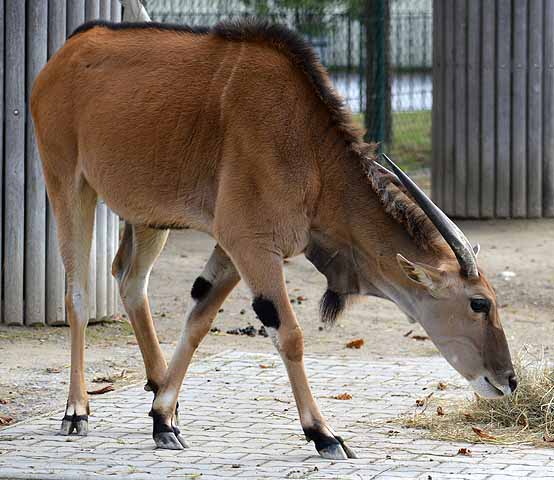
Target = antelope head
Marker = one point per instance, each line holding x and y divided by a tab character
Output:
457	306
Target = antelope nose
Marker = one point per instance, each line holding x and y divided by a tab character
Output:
512	381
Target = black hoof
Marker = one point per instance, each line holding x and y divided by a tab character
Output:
165	435
328	446
77	423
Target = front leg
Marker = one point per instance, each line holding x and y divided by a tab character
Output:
263	272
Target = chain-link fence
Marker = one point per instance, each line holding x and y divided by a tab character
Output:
399	48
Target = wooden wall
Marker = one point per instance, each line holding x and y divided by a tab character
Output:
493	105
32	280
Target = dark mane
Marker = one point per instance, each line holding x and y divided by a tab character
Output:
395	200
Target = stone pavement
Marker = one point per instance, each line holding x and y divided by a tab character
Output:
241	422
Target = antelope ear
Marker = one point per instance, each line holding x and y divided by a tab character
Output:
424	275
476	249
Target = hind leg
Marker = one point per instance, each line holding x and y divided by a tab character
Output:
138	250
74	207
209	291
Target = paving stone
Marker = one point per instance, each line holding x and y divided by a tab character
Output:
241	422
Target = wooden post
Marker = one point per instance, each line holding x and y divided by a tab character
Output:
35	193
101	261
519	111
106	9
75	14
437	170
2	49
503	104
14	196
534	106
449	142
55	274
487	133
92	10
473	112
548	111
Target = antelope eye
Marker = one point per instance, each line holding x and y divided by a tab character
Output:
480	305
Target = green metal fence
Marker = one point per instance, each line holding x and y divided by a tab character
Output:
391	96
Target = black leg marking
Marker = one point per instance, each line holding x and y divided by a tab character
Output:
320	439
200	288
266	312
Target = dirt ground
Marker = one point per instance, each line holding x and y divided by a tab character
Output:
34	362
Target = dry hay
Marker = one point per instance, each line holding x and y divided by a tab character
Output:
525	417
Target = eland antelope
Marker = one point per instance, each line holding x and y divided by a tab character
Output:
236	131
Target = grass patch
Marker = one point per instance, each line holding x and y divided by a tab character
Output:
411	142
525	417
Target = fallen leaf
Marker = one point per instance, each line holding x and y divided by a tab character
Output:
343	396
4	401
357	343
267	366
5	420
421	402
440	411
301	298
483	434
420	337
468	416
100	391
442	386
408	333
110	378
464	451
53	370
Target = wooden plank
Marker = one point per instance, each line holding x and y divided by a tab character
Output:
92	10
534	105
460	89
35	193
55	274
92	274
548	111
110	252
101	261
14	195
106	9
438	104
487	144
449	106
116	11
519	111
75	15
1	150
503	107
473	109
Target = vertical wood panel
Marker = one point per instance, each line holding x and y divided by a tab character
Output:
116	11
460	85
92	272
449	126
35	193
55	274
75	14
115	240
473	108
110	252
1	155
14	200
488	106
519	111
101	261
548	112
106	9
92	9
438	103
503	96
535	103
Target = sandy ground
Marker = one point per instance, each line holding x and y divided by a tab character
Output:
34	362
